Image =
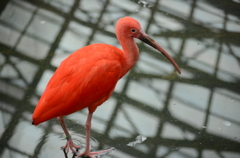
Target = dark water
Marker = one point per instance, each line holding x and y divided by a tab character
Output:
154	112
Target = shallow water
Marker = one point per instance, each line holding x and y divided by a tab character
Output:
153	112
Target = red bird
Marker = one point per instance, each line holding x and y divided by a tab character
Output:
88	77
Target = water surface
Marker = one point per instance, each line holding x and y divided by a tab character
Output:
154	112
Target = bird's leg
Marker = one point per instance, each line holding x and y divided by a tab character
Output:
69	145
88	146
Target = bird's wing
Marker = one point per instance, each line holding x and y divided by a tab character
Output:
79	82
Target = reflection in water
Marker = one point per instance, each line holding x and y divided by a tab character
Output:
139	139
195	114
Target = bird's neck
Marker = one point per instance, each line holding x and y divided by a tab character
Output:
130	53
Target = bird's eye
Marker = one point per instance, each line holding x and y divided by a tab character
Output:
133	30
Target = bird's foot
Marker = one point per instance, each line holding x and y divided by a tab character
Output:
70	145
86	154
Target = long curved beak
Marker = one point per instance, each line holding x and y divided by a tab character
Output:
146	39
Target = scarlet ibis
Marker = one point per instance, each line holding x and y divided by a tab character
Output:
88	77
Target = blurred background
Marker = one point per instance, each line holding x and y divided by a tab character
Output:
154	112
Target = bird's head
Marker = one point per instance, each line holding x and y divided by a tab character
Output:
130	27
